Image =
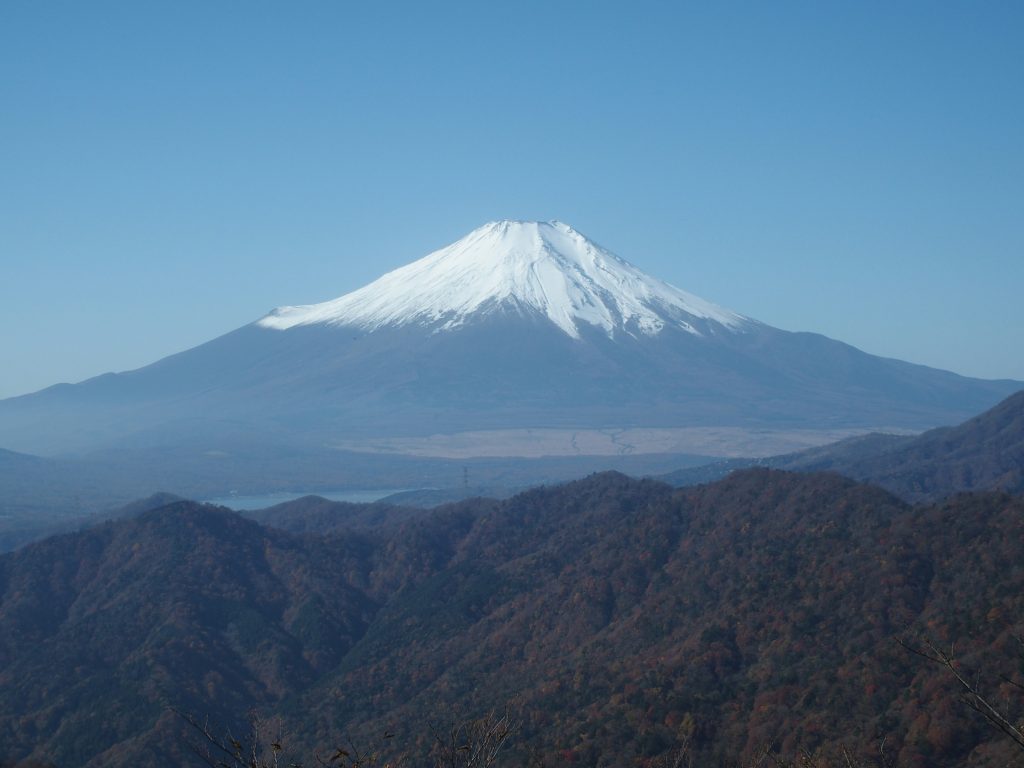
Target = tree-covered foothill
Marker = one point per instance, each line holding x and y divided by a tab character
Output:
616	619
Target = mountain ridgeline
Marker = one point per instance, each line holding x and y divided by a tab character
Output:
984	453
517	325
617	618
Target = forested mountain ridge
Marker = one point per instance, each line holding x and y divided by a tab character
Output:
615	616
985	453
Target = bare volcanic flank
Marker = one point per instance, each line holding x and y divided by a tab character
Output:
519	325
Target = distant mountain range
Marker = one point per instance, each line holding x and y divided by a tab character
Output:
519	325
983	453
617	618
44	496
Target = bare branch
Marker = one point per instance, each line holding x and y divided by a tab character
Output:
474	744
970	692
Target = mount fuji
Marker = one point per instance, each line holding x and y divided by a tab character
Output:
546	269
517	328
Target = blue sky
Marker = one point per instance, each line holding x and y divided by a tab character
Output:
171	171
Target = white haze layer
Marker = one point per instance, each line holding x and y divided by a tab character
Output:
547	267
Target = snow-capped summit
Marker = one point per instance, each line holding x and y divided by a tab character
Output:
545	267
551	332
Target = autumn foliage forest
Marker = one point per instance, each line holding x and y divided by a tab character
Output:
756	618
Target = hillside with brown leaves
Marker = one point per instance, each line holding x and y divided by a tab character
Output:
616	618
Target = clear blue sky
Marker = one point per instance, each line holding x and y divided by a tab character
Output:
172	170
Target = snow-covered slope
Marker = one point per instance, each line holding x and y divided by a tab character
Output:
545	267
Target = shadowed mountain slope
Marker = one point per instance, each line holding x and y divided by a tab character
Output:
984	453
41	496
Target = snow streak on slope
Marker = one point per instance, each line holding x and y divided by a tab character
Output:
546	267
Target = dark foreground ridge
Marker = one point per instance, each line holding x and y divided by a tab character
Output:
615	616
